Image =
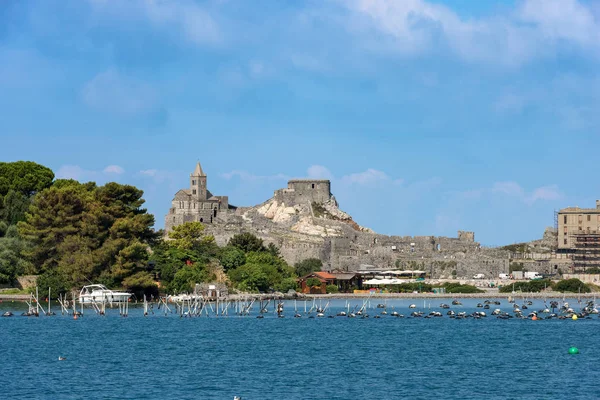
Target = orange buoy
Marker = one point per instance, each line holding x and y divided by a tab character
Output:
534	318
74	316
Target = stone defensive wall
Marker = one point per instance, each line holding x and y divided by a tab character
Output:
304	191
341	244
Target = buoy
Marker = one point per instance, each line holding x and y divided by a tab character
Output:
74	316
574	317
573	350
534	318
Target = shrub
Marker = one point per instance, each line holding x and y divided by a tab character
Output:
572	285
307	266
311	282
52	279
527	286
332	289
286	284
410	287
452	287
515	267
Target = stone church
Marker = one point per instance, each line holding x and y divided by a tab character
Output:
196	204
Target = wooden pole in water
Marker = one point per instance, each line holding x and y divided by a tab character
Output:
37	302
49	300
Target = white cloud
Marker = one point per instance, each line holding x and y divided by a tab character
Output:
562	20
533	29
370	176
114	169
149	172
509	188
544	193
109	91
159	176
550	192
185	17
73	172
319	172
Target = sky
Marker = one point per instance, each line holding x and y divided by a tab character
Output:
429	117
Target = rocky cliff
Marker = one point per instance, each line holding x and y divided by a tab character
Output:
305	224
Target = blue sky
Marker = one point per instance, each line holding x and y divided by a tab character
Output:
428	116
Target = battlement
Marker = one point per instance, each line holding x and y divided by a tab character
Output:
466	236
303	191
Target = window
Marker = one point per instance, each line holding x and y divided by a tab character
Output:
194	191
193	182
565	241
589	218
313	185
565	219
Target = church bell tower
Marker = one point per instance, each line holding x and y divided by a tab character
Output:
198	183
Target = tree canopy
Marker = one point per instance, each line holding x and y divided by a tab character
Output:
84	232
70	233
307	266
24	177
247	242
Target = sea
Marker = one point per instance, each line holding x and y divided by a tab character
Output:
218	357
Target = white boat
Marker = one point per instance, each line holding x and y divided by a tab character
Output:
98	293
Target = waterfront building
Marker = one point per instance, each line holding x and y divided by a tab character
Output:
579	236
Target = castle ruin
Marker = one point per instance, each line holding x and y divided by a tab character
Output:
304	221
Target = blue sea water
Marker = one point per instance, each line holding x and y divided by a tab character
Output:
158	357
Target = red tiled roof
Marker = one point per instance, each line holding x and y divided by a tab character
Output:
324	275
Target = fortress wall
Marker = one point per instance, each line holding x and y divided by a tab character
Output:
304	191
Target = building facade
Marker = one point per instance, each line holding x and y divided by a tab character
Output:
196	204
579	236
573	221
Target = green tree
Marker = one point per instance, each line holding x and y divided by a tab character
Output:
332	289
54	215
572	285
186	278
312	282
24	177
12	262
55	281
307	266
188	235
83	232
247	242
231	257
286	285
273	250
14	206
141	283
250	277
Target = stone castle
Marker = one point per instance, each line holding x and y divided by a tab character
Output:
304	221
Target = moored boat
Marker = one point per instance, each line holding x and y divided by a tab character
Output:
91	294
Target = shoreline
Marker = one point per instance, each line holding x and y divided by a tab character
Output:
488	295
300	296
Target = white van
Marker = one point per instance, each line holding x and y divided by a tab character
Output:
503	276
478	276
